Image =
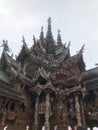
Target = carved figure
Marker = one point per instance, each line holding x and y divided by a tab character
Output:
64	117
4	115
5	45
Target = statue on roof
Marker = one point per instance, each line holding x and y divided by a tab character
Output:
5	45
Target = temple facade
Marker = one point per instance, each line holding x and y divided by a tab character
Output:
46	86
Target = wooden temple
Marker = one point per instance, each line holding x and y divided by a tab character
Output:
46	86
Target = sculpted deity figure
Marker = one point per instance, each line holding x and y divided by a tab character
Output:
4	116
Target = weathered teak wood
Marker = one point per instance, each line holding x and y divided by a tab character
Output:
45	86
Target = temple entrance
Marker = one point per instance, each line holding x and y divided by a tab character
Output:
51	111
57	118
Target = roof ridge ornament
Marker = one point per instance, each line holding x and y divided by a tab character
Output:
82	49
69	44
23	40
42	29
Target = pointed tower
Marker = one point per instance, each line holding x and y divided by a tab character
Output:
42	40
59	41
49	39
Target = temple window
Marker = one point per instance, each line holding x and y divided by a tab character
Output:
12	108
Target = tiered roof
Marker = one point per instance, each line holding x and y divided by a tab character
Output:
46	58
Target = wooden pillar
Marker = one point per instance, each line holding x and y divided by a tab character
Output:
36	124
9	106
47	110
77	107
3	118
71	108
82	113
4	112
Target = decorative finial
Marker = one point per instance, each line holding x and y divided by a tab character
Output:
58	31
49	20
59	41
69	43
42	37
82	49
23	40
50	44
42	29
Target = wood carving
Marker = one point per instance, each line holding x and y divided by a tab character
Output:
64	117
11	115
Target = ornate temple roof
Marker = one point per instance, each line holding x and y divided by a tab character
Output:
46	47
46	56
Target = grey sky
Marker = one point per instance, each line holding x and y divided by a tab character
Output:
77	20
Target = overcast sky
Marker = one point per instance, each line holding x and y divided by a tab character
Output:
76	19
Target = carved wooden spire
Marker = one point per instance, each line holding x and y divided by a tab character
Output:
49	38
42	37
59	41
